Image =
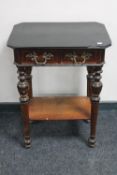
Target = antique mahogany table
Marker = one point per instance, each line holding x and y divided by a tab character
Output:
59	44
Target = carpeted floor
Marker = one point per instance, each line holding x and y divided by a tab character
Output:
58	147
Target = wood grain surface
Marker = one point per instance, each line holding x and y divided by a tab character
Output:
59	108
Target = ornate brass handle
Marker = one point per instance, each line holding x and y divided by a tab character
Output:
34	57
78	59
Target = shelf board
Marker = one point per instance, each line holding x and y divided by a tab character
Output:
60	108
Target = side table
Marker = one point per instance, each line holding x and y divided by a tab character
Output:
61	44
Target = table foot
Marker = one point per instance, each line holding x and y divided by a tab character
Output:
91	142
27	142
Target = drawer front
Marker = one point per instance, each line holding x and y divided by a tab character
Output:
82	56
37	56
59	56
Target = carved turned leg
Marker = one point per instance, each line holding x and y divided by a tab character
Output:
29	79
25	94
90	70
96	87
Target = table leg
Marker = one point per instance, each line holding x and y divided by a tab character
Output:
29	79
25	89
96	87
90	78
90	71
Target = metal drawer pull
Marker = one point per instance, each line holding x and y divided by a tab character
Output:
34	57
78	59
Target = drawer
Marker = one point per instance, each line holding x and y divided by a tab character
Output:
59	56
82	56
37	56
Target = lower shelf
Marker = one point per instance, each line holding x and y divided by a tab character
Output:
60	108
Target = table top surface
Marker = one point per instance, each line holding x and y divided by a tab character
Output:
58	35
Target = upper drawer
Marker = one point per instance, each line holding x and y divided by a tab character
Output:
82	56
37	56
58	56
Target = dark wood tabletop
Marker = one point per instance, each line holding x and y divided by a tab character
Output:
82	34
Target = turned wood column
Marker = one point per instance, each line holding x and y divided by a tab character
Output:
29	79
25	90
90	70
95	86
